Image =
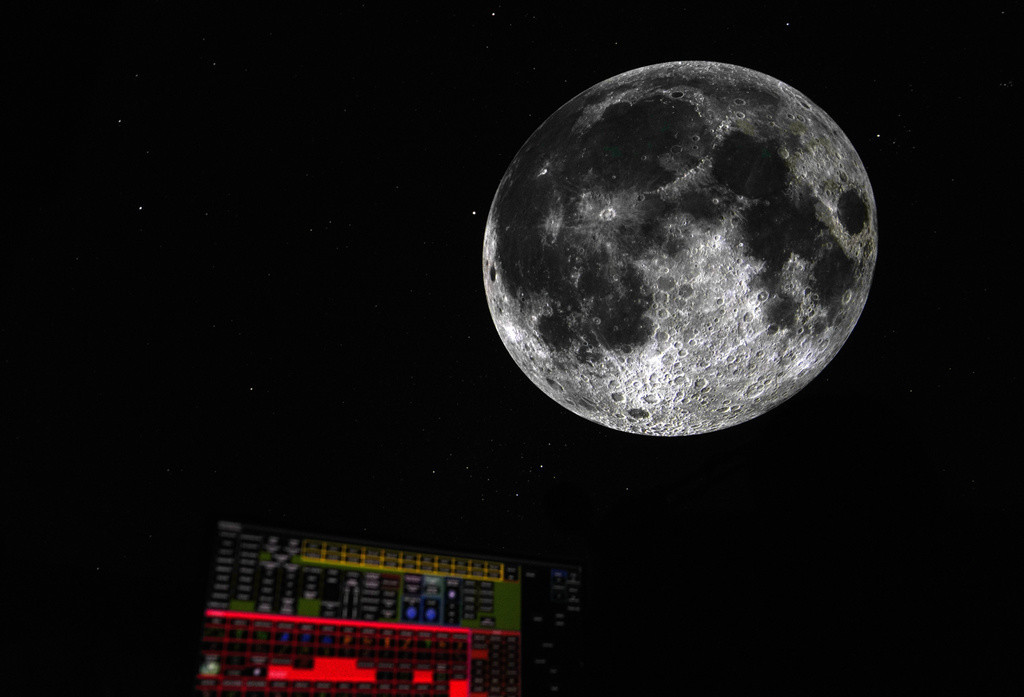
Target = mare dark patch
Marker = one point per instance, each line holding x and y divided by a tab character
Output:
614	146
623	325
529	264
834	274
586	354
697	203
781	310
555	330
749	166
599	310
853	212
779	227
775	229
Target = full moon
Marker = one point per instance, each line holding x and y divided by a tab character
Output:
680	248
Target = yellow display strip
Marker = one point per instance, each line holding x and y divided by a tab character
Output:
323	552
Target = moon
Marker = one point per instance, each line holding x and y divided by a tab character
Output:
680	248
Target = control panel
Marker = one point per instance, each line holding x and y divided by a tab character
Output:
289	613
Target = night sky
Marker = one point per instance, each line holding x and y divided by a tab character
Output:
249	287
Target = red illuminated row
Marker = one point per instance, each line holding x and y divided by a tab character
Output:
248	654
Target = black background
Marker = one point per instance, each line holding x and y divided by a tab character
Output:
249	287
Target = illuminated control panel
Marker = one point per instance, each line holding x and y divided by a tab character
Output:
291	614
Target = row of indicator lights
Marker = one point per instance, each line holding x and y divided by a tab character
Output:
211	689
217	616
454	689
264	636
350	555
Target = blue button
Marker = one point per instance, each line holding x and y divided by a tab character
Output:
410	613
431	614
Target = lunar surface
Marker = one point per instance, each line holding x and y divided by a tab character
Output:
680	248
